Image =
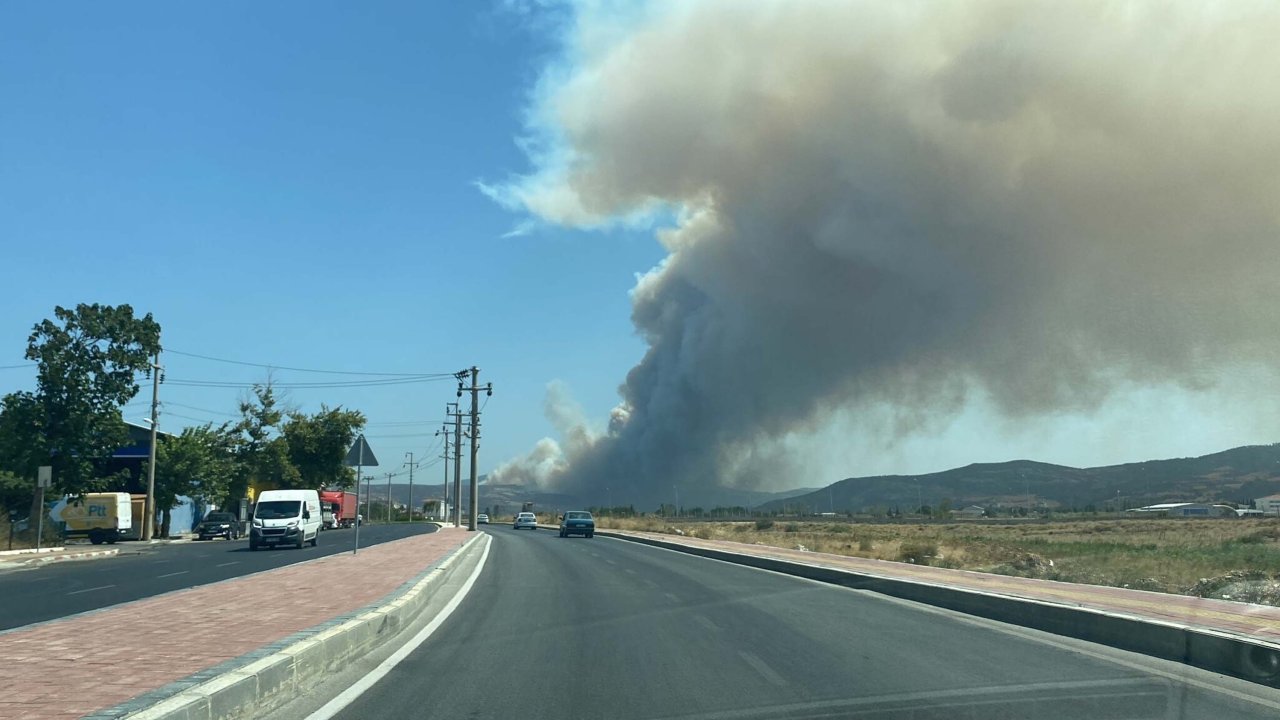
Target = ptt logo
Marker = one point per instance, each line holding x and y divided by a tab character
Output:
97	511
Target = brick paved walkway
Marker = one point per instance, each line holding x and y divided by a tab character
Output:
1255	621
73	667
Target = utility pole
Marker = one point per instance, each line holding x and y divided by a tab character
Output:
410	454
444	486
368	494
473	506
389	476
457	465
149	507
450	411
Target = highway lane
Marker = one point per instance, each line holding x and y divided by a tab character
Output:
577	628
54	590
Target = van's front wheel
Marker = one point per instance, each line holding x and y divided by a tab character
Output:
315	541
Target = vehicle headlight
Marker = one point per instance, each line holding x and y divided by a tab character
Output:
292	524
257	522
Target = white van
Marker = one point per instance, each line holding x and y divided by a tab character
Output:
285	517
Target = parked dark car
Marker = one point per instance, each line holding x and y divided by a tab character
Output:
218	524
577	522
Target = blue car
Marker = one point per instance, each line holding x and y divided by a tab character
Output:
577	522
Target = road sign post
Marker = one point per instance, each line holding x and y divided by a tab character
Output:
359	456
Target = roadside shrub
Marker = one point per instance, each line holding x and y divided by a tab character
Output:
791	527
919	553
865	545
764	524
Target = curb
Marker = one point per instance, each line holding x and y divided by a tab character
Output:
41	559
29	551
1216	651
279	673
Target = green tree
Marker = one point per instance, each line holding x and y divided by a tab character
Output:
317	445
20	451
88	361
262	453
199	463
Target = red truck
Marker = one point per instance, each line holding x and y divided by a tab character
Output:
338	508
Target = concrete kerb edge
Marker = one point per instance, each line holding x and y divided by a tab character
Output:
257	681
1238	656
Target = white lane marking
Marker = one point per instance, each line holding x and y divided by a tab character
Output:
759	666
607	560
336	705
102	587
233	562
157	562
672	598
629	571
180	572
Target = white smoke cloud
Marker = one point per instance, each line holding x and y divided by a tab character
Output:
899	205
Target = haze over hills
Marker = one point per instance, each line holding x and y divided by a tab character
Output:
1237	475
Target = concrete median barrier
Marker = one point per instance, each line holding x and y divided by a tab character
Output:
269	678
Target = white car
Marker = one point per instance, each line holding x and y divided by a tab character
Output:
482	519
525	520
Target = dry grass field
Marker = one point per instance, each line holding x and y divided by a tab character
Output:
1230	559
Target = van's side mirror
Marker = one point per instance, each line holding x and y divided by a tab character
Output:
306	514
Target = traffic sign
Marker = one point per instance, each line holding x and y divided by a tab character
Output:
44	476
360	454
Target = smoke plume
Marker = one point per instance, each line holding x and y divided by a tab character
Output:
906	204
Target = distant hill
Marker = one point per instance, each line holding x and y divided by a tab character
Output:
506	497
1236	475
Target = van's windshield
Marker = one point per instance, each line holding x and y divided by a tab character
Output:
277	509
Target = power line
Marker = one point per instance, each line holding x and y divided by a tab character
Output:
188	417
15	367
204	410
401	435
337	384
307	370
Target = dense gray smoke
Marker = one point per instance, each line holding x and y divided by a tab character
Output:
899	204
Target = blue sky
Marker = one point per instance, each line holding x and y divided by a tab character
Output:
293	183
299	184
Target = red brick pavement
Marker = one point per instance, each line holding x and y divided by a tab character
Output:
1255	621
73	667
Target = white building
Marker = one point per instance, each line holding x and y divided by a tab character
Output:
1269	505
1176	509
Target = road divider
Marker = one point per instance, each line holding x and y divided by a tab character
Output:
266	683
1228	652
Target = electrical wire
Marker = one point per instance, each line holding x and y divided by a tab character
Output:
204	410
182	382
15	367
306	370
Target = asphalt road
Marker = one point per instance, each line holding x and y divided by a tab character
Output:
54	590
600	628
